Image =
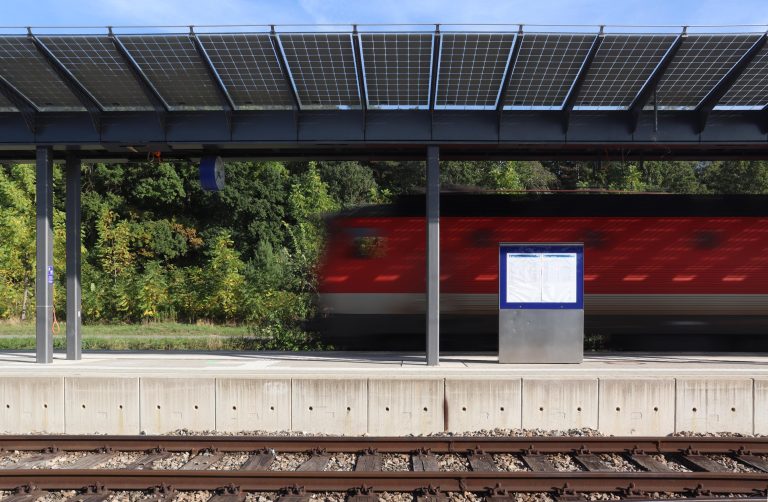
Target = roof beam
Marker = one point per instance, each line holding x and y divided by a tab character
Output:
648	89
357	47
435	68
27	109
721	88
508	69
283	63
159	103
221	89
573	92
88	100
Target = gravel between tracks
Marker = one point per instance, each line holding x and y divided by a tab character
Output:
395	462
509	462
288	461
452	462
341	462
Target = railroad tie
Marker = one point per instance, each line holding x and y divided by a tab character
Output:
699	462
259	461
591	462
202	461
537	462
26	493
33	461
481	461
293	494
369	460
751	460
649	463
316	462
148	459
424	461
90	461
229	493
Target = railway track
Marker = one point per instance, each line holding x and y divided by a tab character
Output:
291	469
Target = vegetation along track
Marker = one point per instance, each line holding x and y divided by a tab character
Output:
499	468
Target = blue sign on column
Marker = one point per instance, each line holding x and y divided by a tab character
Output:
50	274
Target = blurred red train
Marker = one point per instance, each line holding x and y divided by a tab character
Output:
660	264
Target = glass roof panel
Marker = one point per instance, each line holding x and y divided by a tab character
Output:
545	69
700	63
750	91
173	65
248	66
397	68
99	67
622	64
322	66
23	67
472	67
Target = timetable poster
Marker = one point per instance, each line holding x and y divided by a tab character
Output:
542	278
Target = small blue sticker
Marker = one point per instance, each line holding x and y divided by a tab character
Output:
50	275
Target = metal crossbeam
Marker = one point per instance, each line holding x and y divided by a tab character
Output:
27	109
573	92
649	88
226	99
159	103
714	96
435	68
283	63
83	95
510	64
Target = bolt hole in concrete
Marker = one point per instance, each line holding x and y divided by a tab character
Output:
234	407
195	406
45	405
425	408
541	408
8	406
733	409
386	409
579	409
272	408
618	408
121	406
655	408
694	410
463	408
158	406
502	408
310	408
83	406
349	409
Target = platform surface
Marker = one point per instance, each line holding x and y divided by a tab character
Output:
381	393
624	364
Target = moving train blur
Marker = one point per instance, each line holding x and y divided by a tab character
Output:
654	265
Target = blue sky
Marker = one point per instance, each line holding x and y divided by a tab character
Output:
156	12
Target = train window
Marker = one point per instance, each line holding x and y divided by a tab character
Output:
482	238
367	243
706	239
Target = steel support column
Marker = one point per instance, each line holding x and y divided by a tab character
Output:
44	244
433	255
73	209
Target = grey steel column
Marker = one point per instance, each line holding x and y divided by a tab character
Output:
433	255
74	342
44	244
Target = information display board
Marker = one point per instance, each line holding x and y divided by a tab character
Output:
541	276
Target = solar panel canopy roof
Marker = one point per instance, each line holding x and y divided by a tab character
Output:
389	70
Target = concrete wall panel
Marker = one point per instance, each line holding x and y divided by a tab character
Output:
714	405
405	406
482	404
332	406
248	404
102	405
31	405
637	406
761	406
559	404
168	404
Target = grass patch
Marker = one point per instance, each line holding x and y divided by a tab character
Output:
153	329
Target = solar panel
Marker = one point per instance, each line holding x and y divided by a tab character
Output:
174	67
545	70
322	66
471	69
699	64
750	91
397	69
96	64
621	66
247	64
26	69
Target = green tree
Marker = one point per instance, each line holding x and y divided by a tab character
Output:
737	176
349	183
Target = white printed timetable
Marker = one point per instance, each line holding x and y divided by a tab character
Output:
541	278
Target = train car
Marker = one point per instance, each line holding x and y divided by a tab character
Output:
654	264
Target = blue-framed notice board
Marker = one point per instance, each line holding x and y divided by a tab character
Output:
541	276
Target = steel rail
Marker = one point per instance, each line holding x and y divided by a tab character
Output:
126	479
387	444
